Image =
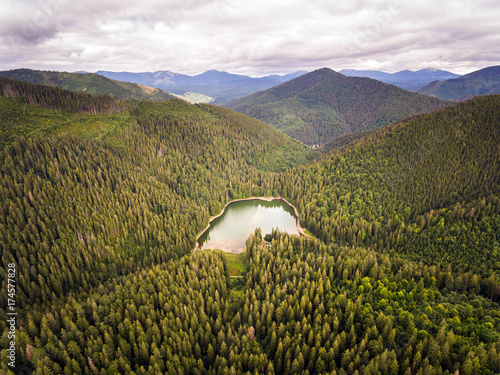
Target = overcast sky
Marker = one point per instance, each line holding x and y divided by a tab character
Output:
254	37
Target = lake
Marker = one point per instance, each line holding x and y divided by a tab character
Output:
230	231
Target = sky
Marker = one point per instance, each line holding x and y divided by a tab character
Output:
252	37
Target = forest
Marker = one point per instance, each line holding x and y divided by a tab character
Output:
102	198
319	106
87	82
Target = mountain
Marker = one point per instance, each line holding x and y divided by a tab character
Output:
102	200
406	79
87	82
222	87
152	79
321	105
481	82
432	173
85	106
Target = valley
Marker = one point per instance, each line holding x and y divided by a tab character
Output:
222	87
103	199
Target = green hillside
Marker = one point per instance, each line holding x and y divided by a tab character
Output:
320	106
426	188
344	140
481	82
87	82
101	200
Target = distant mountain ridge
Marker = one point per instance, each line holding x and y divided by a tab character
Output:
481	82
406	79
87	82
223	87
322	105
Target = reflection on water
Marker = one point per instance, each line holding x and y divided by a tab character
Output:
230	231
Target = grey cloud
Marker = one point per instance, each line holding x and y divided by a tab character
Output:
262	36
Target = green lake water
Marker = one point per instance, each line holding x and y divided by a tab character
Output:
230	231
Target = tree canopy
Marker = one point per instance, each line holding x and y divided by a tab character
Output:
100	208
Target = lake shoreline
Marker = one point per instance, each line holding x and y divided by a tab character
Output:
267	199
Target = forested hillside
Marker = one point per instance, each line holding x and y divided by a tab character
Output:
91	197
87	82
100	209
322	105
481	82
132	186
426	189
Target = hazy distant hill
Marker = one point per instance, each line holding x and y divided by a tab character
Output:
322	105
221	86
87	82
481	82
405	79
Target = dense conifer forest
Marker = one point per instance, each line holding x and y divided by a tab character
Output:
322	105
87	82
102	199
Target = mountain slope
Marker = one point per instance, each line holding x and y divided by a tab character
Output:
25	105
323	105
87	82
221	86
176	163
406	79
481	82
99	215
428	188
